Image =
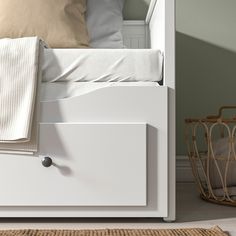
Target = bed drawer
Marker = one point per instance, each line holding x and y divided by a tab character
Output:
94	164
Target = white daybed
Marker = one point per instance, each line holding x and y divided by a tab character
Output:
112	146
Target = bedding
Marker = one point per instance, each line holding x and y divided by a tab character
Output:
102	65
64	90
60	23
19	84
104	21
220	192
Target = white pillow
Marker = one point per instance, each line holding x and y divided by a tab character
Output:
104	23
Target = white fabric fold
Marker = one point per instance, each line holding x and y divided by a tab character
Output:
20	76
102	65
64	90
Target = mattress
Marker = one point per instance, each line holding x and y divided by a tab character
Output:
63	90
102	65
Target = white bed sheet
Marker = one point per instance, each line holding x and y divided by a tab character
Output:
63	90
102	65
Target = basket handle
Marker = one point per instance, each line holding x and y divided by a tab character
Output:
221	109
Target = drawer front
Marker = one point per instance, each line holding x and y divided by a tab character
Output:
94	164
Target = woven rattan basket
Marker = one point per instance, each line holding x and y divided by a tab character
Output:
211	145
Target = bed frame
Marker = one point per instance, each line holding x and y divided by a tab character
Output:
112	150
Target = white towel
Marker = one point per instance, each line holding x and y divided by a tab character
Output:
20	76
220	192
221	149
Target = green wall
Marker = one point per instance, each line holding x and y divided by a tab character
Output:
205	59
136	9
205	56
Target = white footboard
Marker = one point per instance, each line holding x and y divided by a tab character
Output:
109	153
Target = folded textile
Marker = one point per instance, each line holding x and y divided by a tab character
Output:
20	76
224	164
220	192
221	147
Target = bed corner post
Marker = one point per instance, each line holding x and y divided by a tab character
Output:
162	36
169	75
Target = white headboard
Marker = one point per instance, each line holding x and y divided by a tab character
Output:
135	34
156	31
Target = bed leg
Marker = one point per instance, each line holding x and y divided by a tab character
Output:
169	219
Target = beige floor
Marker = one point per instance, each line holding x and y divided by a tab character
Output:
191	212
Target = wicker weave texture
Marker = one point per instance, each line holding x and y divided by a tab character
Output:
211	145
216	231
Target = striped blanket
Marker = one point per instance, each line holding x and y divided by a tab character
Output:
20	76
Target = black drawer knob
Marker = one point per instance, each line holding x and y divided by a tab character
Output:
46	161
